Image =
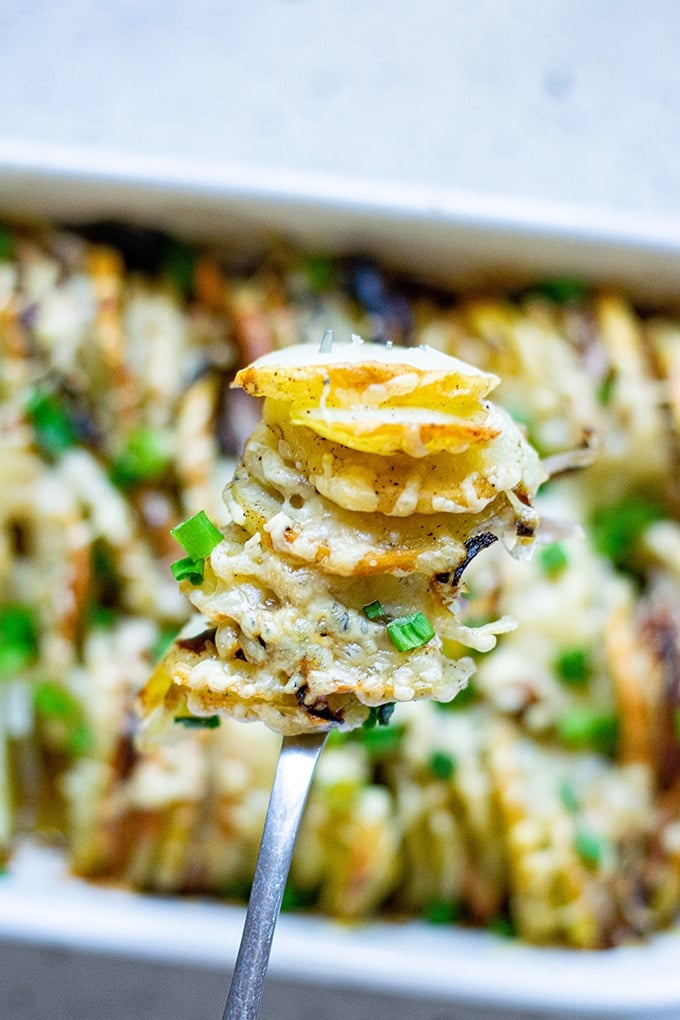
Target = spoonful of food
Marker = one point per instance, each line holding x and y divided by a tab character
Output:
375	476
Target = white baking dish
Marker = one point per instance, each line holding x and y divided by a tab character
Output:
41	904
454	238
377	969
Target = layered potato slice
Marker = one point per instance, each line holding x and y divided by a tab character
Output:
271	493
375	476
291	645
576	830
359	375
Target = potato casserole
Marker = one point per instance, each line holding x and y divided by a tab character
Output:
544	799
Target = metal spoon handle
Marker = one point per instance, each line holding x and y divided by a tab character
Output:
297	761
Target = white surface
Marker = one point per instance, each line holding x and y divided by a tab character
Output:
568	101
455	137
453	238
40	904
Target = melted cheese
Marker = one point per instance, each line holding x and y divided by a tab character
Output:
374	474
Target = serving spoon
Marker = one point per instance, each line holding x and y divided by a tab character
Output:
297	761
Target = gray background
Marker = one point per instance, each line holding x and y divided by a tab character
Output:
575	101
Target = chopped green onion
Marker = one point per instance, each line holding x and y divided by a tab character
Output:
590	846
562	290
379	715
80	740
55	704
18	639
438	911
144	458
442	765
408	632
617	529
374	610
605	388
102	617
573	667
51	699
179	267
198	722
553	560
320	272
188	569
503	926
569	798
198	536
52	424
405	632
582	727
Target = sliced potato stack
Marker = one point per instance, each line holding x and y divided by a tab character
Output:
576	831
376	475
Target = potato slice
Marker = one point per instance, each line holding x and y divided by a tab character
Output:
440	483
270	495
376	474
364	374
387	430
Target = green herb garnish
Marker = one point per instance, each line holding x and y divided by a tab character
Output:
374	610
52	425
320	272
57	707
503	926
198	722
442	765
561	290
379	715
617	529
18	639
590	846
409	632
552	559
573	667
569	798
405	632
102	617
582	727
51	699
144	458
605	388
188	569
198	536
179	267
438	911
